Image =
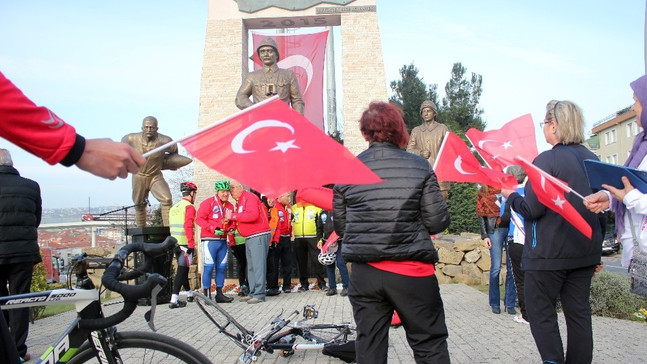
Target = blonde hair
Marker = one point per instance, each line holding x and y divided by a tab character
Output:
568	119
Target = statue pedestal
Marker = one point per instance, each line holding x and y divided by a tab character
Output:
161	264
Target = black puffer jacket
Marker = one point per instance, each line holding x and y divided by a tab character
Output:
20	213
391	220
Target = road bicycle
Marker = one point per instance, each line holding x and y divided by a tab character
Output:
92	337
282	334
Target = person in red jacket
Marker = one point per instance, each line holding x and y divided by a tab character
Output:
283	253
42	133
214	236
250	215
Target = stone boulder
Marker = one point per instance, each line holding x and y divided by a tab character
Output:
452	270
449	256
473	256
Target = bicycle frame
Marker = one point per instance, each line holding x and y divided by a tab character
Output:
66	345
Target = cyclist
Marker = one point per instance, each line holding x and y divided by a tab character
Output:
214	237
181	220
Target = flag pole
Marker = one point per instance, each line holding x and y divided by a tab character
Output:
210	126
440	150
478	152
552	178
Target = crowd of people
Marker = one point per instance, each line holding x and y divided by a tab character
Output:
384	231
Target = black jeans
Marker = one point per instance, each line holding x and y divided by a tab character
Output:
306	250
18	276
282	263
515	251
374	294
573	287
239	253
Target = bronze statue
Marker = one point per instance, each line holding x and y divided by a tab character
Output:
426	138
270	80
150	178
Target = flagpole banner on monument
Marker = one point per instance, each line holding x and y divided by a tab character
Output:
304	54
499	147
273	149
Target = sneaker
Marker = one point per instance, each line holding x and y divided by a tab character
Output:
273	292
496	310
241	293
25	358
246	298
520	320
189	298
344	292
178	304
245	290
322	287
287	290
254	300
331	292
303	288
511	310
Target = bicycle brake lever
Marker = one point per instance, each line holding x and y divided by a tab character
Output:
150	315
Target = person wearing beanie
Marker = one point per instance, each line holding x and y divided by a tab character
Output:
270	80
629	199
426	138
559	260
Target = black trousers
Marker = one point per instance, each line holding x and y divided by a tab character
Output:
307	251
270	272
515	251
573	287
241	258
8	352
374	294
282	264
18	276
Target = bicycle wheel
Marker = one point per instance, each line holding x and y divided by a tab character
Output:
225	323
145	347
328	333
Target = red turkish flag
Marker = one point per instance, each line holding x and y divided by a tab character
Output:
304	54
499	147
551	191
318	196
273	149
455	162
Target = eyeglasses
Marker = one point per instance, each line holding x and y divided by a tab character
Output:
545	122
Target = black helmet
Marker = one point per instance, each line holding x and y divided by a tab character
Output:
186	187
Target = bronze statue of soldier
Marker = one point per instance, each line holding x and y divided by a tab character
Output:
270	80
150	178
427	138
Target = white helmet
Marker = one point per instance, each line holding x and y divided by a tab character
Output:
327	258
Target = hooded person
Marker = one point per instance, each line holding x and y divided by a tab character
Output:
270	80
629	204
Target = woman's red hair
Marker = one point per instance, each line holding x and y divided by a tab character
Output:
382	122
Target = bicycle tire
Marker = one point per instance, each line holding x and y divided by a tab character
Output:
222	319
145	347
329	333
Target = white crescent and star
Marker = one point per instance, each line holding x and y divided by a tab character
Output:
507	144
482	142
557	200
298	60
458	164
283	146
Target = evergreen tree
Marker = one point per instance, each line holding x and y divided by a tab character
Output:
461	110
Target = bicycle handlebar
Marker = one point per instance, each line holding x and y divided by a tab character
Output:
130	293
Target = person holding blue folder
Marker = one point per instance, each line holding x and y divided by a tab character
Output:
629	204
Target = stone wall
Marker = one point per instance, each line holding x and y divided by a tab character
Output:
464	259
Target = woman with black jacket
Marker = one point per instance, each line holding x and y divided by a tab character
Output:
385	229
558	260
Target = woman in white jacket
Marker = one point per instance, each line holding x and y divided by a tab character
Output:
629	204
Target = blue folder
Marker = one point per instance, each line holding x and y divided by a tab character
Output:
610	174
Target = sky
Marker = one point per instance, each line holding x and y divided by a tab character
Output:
104	65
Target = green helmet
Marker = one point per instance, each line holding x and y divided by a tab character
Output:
222	185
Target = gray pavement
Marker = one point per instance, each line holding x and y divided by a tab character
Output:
475	334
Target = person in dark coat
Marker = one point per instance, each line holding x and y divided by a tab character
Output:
385	230
558	260
20	214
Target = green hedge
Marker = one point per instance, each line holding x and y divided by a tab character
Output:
610	297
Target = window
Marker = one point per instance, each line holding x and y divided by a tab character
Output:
630	129
610	137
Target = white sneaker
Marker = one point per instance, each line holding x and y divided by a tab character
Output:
520	320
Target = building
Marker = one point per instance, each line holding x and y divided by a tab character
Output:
616	134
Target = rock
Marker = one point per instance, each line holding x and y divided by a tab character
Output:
485	263
485	278
449	256
444	244
472	256
443	279
471	270
464	278
452	270
467	245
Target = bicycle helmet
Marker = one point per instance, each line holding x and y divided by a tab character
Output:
327	258
186	187
222	185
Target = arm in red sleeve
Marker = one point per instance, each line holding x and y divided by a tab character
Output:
250	211
36	129
189	217
202	218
